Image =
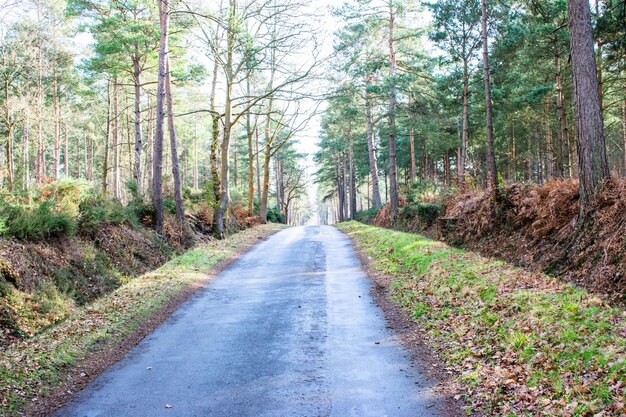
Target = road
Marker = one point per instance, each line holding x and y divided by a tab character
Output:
289	329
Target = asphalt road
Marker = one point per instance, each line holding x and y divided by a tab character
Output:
289	329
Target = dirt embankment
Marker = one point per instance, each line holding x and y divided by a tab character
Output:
536	227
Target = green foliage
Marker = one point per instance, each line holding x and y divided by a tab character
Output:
275	216
366	216
427	213
39	223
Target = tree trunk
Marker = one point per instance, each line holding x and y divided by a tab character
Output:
352	181
258	165
178	187
221	213
465	132
446	167
266	175
376	201
600	44
592	160
9	134
116	140
393	177
249	134
89	161
563	164
138	137
549	155
539	154
344	184
56	121
195	173
492	174
157	158
40	160
340	189
105	157
26	149
412	150
624	132
66	151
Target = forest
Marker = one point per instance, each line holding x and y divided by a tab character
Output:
156	103
482	95
459	167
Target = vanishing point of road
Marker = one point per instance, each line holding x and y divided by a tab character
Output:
289	329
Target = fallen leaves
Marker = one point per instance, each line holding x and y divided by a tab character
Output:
521	343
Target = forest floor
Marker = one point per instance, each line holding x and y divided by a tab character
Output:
518	342
46	369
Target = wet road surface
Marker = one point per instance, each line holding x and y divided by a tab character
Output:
289	329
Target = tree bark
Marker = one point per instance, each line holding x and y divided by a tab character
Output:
624	132
66	151
26	149
221	212
138	136
249	134
492	174
412	150
105	157
592	159
40	160
258	165
549	155
116	140
89	153
178	187
352	180
56	122
8	124
465	129
157	158
376	201
563	160
393	176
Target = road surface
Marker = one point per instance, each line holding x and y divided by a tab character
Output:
289	329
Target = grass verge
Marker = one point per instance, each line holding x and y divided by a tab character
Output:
37	366
521	343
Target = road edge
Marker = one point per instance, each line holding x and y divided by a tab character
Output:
95	363
412	337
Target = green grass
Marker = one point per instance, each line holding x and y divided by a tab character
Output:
30	368
524	343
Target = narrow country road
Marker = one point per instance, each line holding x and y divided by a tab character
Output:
290	329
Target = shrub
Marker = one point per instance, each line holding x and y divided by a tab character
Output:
366	216
426	213
36	224
275	216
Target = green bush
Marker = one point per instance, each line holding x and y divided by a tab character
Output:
40	223
366	216
427	213
275	216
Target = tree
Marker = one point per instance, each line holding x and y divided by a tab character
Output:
492	171
592	160
157	167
